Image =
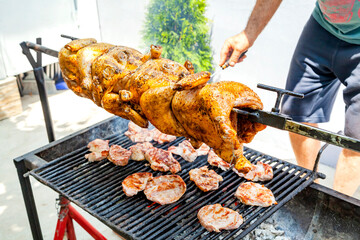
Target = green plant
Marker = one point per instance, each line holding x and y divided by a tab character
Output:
181	28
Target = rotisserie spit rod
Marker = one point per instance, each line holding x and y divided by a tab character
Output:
283	122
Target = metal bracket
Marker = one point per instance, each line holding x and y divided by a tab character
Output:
40	82
282	120
280	93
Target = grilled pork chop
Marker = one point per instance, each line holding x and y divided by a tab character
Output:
162	137
99	150
162	160
215	217
215	160
138	151
118	155
185	150
250	193
259	172
135	183
165	189
205	179
138	134
203	150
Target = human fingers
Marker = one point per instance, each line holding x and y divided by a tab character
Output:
225	52
242	58
235	57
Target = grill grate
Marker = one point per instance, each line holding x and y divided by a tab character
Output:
96	187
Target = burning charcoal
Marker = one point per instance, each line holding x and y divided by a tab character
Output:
282	238
263	234
267	230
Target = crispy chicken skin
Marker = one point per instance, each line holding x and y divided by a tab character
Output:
205	113
177	101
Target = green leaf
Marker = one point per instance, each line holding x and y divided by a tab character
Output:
182	29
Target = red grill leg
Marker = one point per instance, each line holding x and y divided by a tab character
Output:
66	215
70	229
61	227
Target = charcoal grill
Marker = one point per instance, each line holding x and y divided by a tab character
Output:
96	187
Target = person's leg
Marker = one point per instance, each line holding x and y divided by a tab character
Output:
305	149
347	175
347	68
310	73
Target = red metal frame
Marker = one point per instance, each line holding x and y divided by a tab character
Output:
65	222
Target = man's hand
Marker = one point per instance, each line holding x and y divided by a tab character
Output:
233	47
260	16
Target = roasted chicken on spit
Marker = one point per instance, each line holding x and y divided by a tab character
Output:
177	101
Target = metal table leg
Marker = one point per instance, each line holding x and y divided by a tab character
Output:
28	199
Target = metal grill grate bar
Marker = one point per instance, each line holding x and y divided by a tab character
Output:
52	167
105	189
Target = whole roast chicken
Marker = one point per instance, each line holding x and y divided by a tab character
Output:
147	88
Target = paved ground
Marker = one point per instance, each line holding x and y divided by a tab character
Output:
26	132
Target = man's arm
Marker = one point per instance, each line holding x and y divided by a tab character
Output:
260	16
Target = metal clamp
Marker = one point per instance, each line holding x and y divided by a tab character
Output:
61	206
280	93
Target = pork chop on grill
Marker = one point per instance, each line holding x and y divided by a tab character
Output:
215	218
99	150
250	193
135	183
165	189
138	134
162	137
138	150
203	150
119	155
162	160
259	172
185	150
205	179
215	160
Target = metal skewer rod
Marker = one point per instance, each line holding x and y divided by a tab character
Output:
40	48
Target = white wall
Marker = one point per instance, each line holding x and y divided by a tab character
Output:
121	22
22	20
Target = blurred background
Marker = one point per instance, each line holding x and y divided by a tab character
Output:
187	29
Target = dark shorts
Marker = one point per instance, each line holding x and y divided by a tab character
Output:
321	62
